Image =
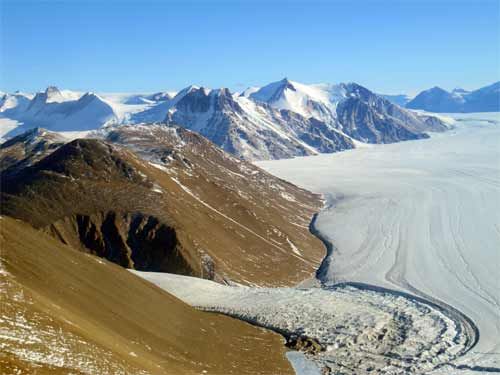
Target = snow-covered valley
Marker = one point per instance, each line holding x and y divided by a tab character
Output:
419	216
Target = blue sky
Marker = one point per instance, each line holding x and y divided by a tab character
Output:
388	46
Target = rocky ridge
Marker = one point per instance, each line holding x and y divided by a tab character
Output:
201	211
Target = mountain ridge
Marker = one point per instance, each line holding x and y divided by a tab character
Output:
280	120
84	193
437	99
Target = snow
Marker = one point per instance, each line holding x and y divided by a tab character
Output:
254	115
249	91
52	111
126	105
420	216
64	96
294	248
159	166
73	111
6	126
71	135
297	97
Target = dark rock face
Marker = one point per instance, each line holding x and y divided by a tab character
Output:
135	241
254	127
349	109
196	101
91	196
370	118
362	121
304	344
317	134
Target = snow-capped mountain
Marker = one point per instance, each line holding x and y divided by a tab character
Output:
279	120
485	99
253	130
368	117
350	108
318	101
17	100
436	99
57	110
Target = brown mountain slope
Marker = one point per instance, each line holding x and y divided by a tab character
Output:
177	203
64	311
27	148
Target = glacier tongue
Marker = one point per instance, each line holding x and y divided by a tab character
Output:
360	329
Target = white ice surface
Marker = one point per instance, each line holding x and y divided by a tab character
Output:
420	216
364	330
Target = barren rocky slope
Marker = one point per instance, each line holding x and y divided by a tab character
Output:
176	204
63	311
27	148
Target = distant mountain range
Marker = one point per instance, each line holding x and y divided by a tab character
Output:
282	119
438	100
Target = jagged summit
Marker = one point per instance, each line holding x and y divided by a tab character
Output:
52	90
282	119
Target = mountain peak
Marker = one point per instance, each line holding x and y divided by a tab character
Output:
52	90
222	92
436	99
273	92
436	89
287	84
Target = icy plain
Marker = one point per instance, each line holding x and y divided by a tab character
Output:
421	217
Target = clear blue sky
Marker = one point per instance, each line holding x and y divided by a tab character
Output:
388	46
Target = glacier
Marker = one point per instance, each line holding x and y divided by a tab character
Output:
410	280
419	216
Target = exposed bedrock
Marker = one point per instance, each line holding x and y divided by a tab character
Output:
132	240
